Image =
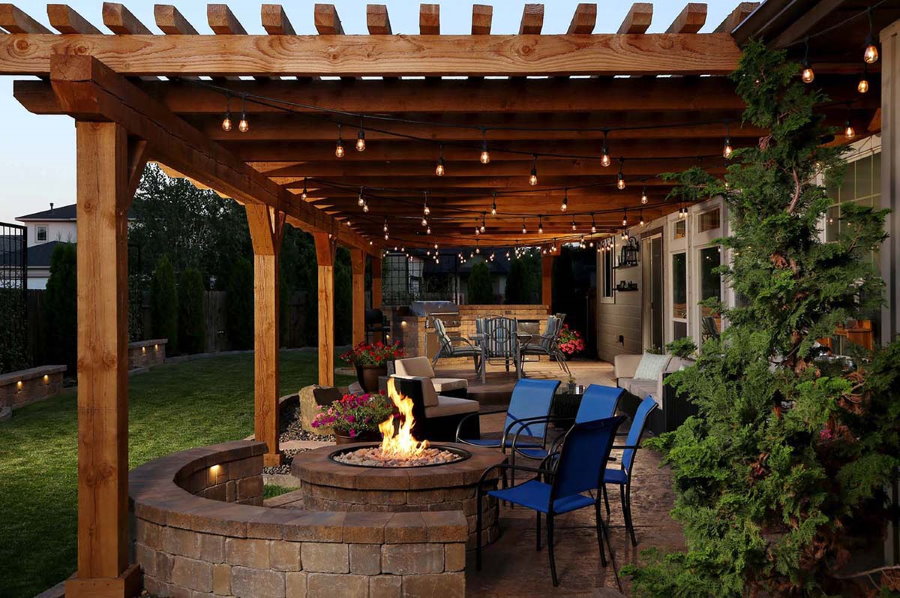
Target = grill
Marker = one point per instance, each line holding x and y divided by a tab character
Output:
445	311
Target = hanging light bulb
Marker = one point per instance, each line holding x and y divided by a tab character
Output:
593	225
339	146
727	150
605	160
361	140
243	125
485	156
348	223
625	217
303	194
849	131
574	226
425	209
482	228
494	204
807	75
524	230
642	217
428	231
540	225
870	55
863	85
226	122
620	182
424	221
385	225
439	169
565	201
532	180
644	196
366	208
362	200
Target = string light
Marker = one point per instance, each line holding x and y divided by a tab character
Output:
361	138
807	75
593	225
482	228
574	226
366	208
226	122
524	230
849	131
303	194
494	204
644	199
620	183
625	217
362	200
339	146
540	225
485	156
727	150
532	180
428	230
641	214
605	160
386	235
870	55
348	224
565	201
439	169
863	85
244	126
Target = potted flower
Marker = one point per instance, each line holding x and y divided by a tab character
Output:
371	360
355	418
569	341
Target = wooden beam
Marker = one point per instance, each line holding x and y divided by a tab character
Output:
14	20
266	228
120	21
430	19
638	18
532	19
482	17
547	282
64	19
808	22
736	17
690	20
376	282
584	20
222	21
358	294
102	207
137	160
377	20
89	90
325	264
327	20
275	20
171	22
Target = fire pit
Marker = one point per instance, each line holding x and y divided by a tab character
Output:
400	481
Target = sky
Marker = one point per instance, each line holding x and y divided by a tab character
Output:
37	153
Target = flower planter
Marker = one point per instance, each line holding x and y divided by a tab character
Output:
368	375
367	436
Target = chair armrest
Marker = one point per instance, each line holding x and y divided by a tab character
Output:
626	365
476	414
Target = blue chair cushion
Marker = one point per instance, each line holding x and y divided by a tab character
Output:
615	476
536	495
495	442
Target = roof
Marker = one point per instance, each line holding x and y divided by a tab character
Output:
38	256
61	213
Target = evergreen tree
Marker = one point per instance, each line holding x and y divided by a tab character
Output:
191	319
343	320
789	454
164	304
480	291
522	282
239	304
61	307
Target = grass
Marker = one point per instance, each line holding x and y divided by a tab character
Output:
171	408
273	490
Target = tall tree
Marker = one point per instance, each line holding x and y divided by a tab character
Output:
191	318
790	453
164	304
239	304
60	305
480	290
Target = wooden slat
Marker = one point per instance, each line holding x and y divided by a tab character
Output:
532	19
387	56
15	21
171	21
64	19
275	20
736	17
327	20
638	18
690	20
222	21
377	20
584	20
430	19
482	17
121	21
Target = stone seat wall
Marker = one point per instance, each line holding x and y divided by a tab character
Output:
24	387
201	532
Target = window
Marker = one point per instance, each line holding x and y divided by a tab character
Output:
708	221
679	229
40	233
606	267
861	185
679	295
710	287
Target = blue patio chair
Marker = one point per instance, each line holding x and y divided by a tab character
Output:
579	469
622	475
527	414
597	402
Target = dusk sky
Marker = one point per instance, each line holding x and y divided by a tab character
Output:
37	153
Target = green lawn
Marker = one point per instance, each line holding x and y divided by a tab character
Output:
173	407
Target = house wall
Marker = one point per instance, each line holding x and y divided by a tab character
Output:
56	231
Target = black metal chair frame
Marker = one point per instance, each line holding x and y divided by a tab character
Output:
547	345
448	350
499	344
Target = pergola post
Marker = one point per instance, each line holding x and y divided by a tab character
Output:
103	197
266	228
890	177
325	260
358	284
376	282
547	281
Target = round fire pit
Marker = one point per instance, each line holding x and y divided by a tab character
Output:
369	456
328	484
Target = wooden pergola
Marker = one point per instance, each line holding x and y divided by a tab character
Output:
548	105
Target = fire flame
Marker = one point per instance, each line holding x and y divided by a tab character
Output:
399	443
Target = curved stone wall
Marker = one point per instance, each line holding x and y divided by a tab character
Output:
200	532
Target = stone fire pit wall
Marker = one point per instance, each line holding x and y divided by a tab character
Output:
199	532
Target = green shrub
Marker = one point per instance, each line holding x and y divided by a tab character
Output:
164	304
61	307
480	291
191	319
239	304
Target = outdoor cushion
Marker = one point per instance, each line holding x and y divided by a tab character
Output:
651	366
625	365
447	384
642	388
414	366
536	495
451	406
429	394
